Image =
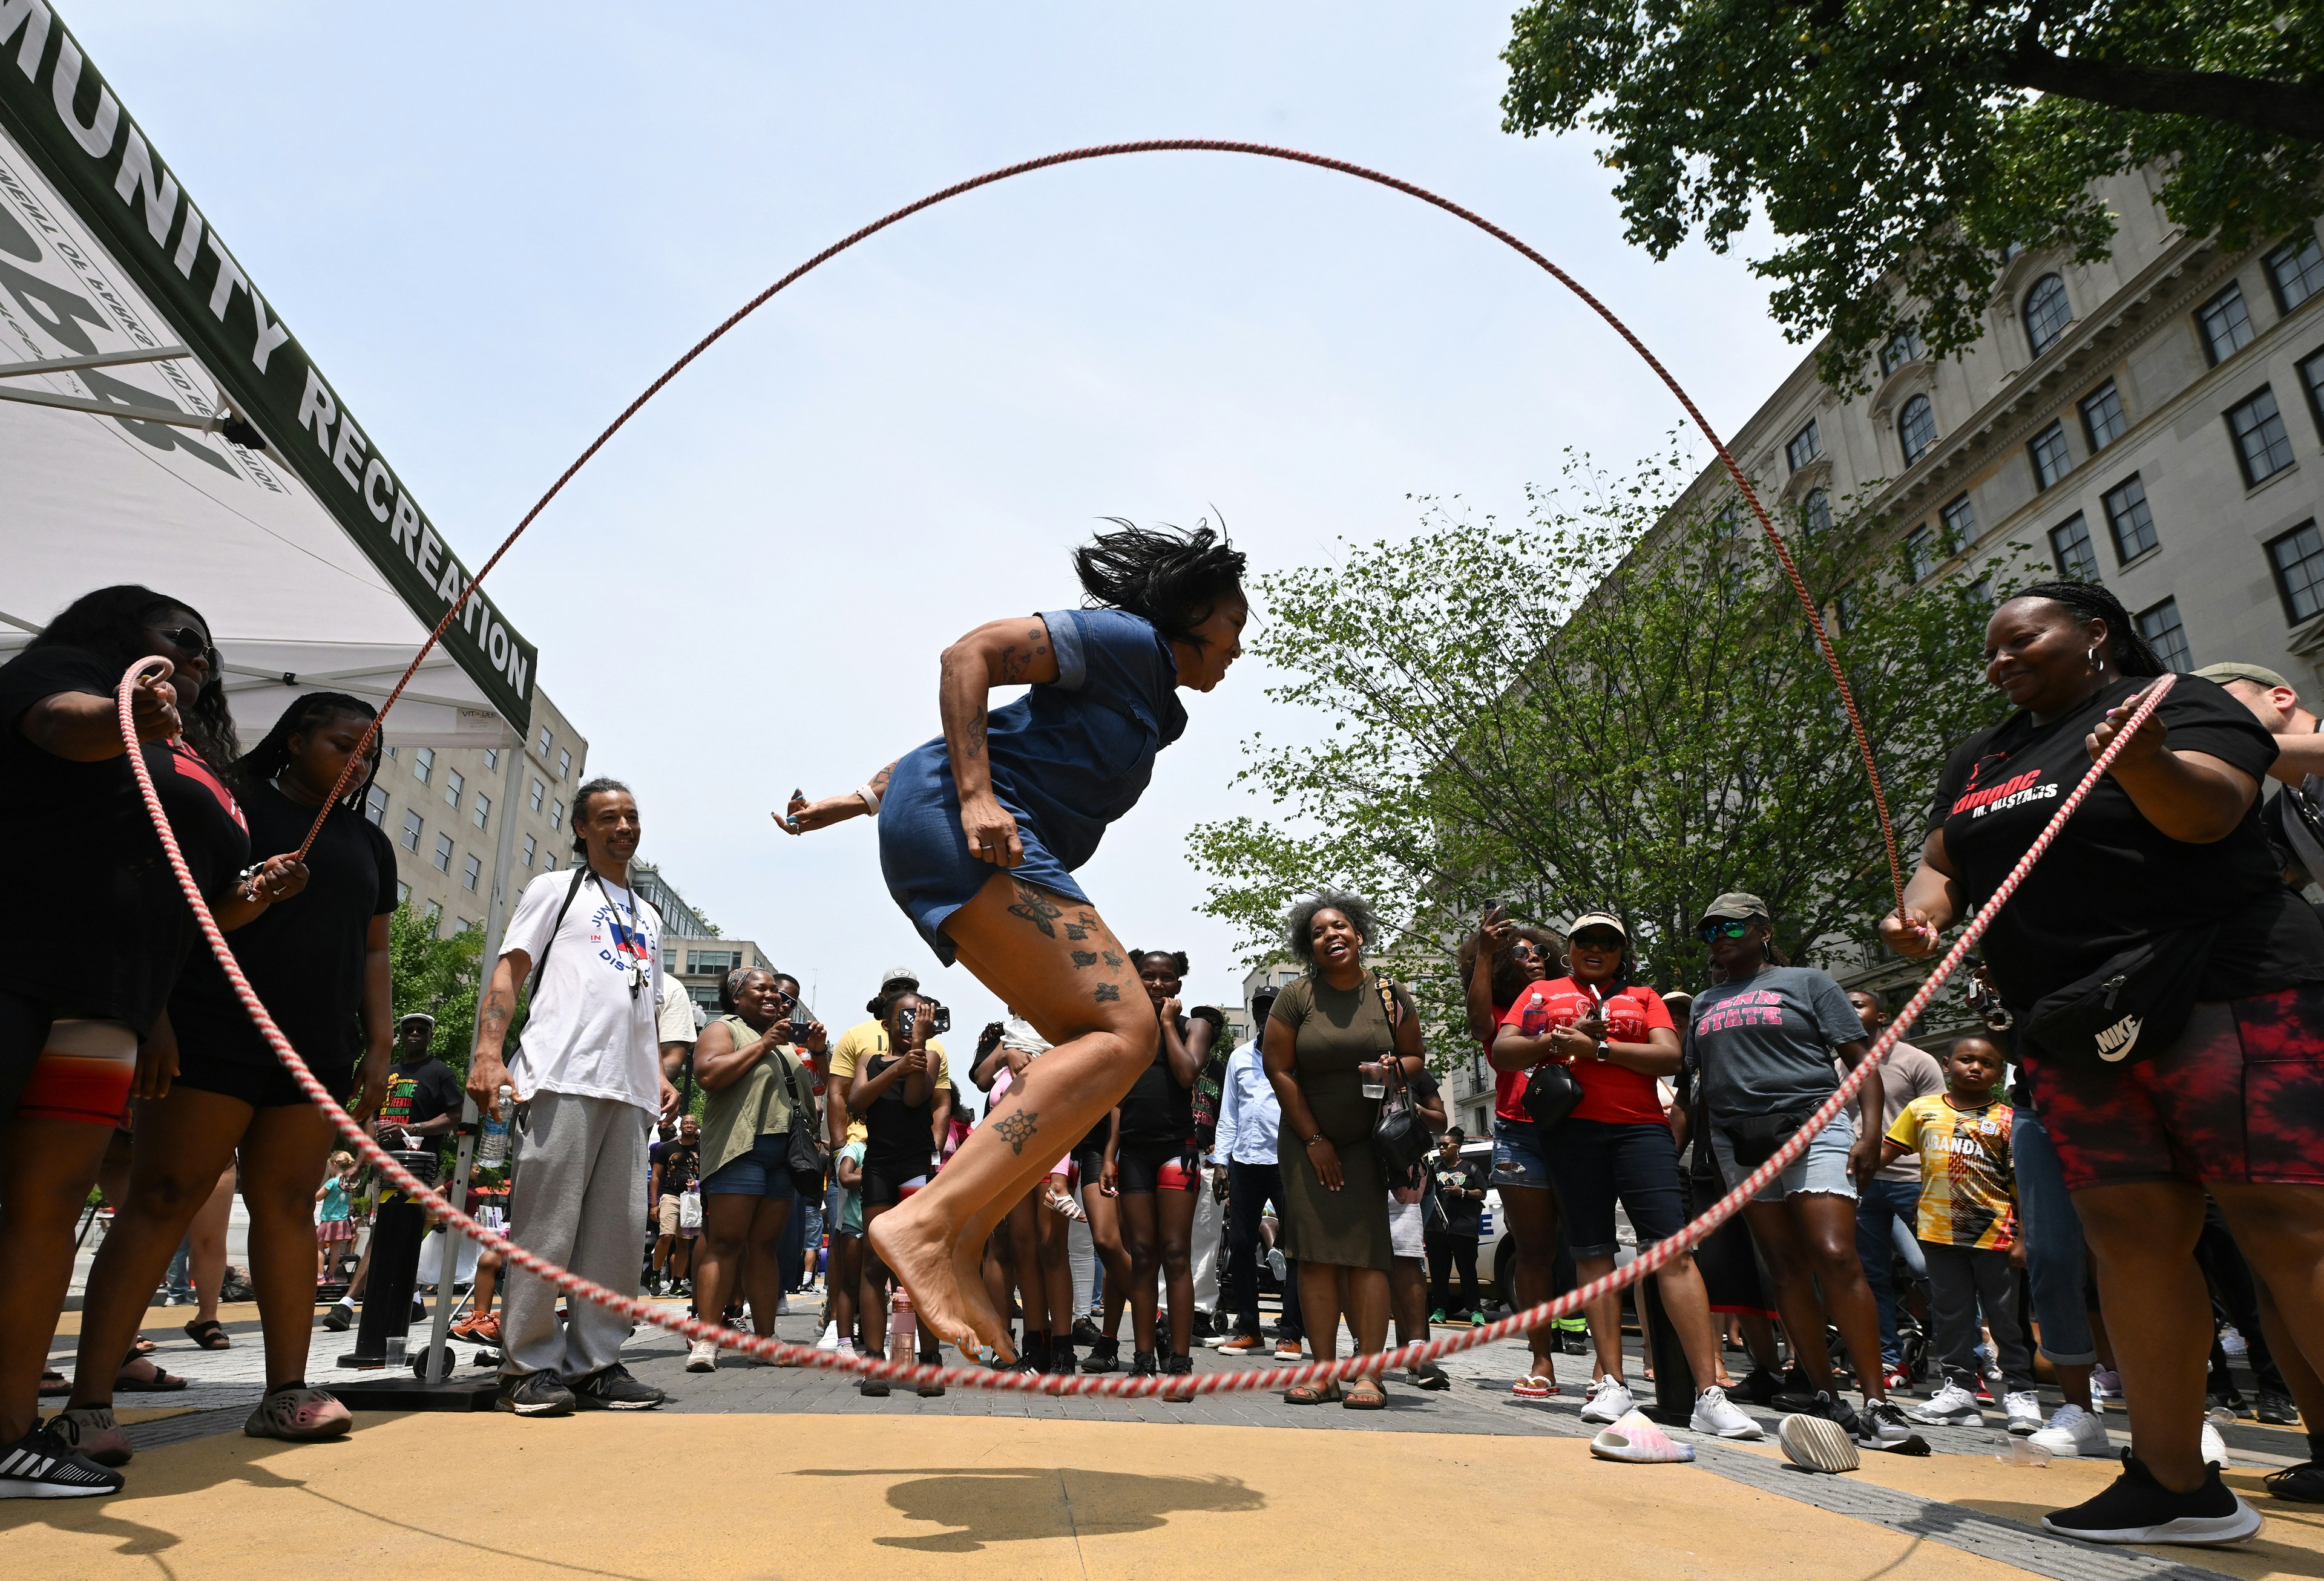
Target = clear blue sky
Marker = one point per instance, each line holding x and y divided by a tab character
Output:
493	225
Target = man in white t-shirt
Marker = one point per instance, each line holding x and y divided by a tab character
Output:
588	1079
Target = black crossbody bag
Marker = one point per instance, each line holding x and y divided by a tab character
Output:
803	1153
2130	1008
1399	1135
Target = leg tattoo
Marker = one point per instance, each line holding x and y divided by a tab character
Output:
1107	993
1038	909
1084	959
1017	1129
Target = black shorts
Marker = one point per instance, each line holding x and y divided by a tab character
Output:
1143	1168
261	1086
884	1182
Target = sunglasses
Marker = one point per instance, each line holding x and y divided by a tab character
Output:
185	638
1725	928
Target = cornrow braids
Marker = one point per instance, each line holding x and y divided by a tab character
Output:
2131	652
267	760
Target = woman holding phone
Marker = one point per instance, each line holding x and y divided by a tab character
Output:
980	833
906	1100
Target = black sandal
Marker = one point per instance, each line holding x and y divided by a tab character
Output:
162	1382
210	1333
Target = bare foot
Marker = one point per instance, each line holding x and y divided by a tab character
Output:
924	1260
968	1272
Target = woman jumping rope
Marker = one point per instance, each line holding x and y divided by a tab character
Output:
980	833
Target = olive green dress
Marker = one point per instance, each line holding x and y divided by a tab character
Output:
1334	1031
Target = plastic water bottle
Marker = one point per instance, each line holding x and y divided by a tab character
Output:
492	1144
903	1328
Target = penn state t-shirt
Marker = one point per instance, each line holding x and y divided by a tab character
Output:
2111	878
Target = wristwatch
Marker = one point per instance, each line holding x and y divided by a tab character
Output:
1605	1050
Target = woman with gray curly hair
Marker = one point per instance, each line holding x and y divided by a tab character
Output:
1331	1034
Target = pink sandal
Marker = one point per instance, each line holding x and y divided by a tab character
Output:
302	1416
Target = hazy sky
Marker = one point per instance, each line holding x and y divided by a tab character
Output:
493	225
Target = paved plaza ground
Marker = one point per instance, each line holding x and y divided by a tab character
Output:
757	1471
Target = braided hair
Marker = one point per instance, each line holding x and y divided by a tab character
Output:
262	762
2131	653
1172	577
110	622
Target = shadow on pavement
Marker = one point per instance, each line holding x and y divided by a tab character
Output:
1020	1503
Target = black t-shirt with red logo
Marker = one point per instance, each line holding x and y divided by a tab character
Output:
88	862
2111	878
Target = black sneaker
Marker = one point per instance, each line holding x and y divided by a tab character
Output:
2229	1398
1178	1365
872	1388
337	1319
1085	1333
1573	1343
2138	1509
2277	1409
1794	1393
2303	1484
1142	1365
1060	1360
1882	1426
41	1465
534	1394
1839	1413
1104	1357
1760	1387
1033	1355
613	1389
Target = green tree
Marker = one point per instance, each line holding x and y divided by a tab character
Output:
1559	718
1899	146
438	977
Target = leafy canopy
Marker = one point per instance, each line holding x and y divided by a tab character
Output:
437	977
1900	146
1540	715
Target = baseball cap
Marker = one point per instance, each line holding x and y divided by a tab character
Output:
899	974
1735	906
419	1015
2258	674
1598	919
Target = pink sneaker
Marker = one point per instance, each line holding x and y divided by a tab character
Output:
304	1416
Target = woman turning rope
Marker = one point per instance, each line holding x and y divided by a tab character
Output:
980	833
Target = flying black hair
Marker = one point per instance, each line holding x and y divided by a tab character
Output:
2131	654
1300	923
272	754
1172	577
110	622
600	787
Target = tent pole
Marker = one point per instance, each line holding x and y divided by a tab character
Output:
496	916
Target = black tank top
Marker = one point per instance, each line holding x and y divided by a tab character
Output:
1158	1109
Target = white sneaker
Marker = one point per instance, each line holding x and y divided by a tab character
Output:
2105	1383
2025	1412
1609	1402
847	1345
830	1340
702	1357
2073	1431
1951	1406
1716	1414
2215	1447
782	1305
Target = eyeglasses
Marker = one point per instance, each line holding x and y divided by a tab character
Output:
1726	928
185	638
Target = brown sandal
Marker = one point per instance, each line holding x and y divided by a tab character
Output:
1308	1395
1365	1394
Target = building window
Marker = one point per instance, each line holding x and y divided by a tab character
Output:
423	763
701	960
1960	524
455	782
2047	313
2102	419
564	765
531	850
1804	448
402	892
2226	323
1921	549
2261	446
1916	427
434	912
492	758
484	809
376	806
1981	590
539	792
2052	460
411	827
2296	270
544	743
1903	347
1845	608
557	814
2312	379
443	858
2070	546
2159	626
1815	513
669	958
548	862
471	870
391	751
2298	558
2128	518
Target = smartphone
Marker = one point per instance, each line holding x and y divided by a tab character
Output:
908	1018
943	1022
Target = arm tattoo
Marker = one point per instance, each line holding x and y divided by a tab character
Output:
1017	1129
976	736
1038	909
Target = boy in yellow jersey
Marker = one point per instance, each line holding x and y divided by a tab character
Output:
1968	1226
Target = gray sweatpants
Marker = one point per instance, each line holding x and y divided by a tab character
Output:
1962	1279
580	1201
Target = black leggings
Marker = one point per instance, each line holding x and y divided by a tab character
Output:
1446	1253
25	1024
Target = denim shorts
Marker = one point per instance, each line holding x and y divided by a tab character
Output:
763	1171
1823	1167
1596	1162
1517	1157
